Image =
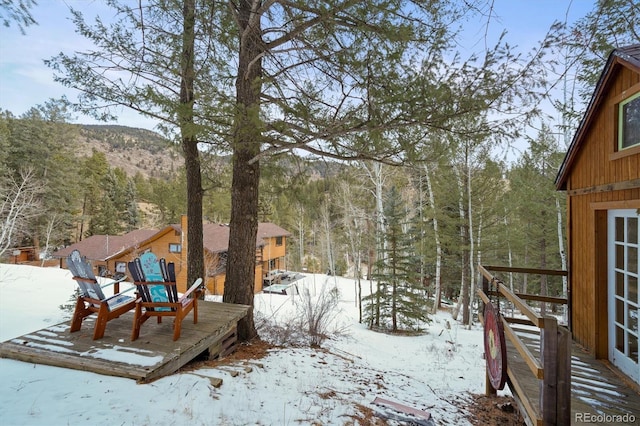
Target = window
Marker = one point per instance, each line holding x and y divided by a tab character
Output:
175	248
629	122
278	241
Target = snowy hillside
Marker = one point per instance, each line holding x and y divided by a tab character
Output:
435	372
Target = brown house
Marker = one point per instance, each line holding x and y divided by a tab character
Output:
101	249
110	254
601	176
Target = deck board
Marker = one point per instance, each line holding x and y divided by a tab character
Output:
151	356
597	388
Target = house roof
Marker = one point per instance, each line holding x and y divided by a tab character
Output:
628	57
102	247
271	230
216	236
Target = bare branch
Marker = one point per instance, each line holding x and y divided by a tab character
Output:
20	204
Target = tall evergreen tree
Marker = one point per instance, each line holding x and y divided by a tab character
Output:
532	183
132	217
586	47
41	140
285	76
400	293
147	59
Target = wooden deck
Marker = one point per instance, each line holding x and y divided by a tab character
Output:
596	388
153	355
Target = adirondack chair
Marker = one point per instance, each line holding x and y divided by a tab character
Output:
91	298
158	296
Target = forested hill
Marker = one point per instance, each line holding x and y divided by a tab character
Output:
143	151
131	149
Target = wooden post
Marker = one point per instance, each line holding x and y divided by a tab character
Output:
485	289
549	361
564	376
488	389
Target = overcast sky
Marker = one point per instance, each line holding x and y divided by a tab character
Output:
26	82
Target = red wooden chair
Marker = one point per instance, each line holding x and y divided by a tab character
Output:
158	295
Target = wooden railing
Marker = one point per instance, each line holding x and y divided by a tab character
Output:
552	369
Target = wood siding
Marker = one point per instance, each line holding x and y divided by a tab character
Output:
600	179
215	281
159	246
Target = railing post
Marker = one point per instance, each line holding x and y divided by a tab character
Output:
555	387
485	289
549	361
564	376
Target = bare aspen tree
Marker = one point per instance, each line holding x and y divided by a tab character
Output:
19	205
53	224
353	222
436	231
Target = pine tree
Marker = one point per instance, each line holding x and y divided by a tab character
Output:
132	217
532	184
400	295
330	79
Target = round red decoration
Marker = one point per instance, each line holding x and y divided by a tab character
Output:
495	349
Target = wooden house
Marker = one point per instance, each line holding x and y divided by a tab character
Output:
23	254
101	249
601	177
111	253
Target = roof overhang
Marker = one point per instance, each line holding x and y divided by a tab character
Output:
627	57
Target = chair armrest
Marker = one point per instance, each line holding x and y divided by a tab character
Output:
132	288
118	300
118	294
119	280
193	288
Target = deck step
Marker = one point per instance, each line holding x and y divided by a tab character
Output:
396	411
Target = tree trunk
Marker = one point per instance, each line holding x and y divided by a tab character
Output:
543	265
436	232
525	278
510	256
195	250
464	242
301	234
471	276
563	258
239	287
394	284
327	226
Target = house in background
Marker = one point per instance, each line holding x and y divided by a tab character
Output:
22	254
101	249
601	176
110	254
270	253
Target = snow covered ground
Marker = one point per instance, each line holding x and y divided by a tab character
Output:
435	372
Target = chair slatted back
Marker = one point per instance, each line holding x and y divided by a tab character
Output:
135	269
169	275
147	293
83	274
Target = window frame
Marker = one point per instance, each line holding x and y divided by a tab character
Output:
621	121
171	245
614	116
